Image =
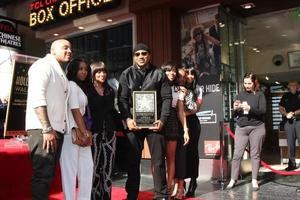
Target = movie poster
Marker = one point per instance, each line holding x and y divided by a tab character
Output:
200	39
201	43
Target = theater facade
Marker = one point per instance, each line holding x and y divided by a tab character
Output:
107	30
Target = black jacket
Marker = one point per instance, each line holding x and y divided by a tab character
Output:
152	79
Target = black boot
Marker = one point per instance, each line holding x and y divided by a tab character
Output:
192	188
291	166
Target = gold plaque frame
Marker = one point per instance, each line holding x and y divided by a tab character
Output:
144	108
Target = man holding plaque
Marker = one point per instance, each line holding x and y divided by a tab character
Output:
142	88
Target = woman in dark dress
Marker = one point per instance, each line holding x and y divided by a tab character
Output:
101	104
193	103
176	123
187	157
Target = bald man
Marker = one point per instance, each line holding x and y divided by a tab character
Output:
46	114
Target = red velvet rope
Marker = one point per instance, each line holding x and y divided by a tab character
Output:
262	162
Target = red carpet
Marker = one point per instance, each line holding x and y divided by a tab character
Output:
118	194
15	176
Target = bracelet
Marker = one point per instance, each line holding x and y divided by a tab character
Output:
185	129
47	130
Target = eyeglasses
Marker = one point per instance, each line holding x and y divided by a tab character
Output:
144	53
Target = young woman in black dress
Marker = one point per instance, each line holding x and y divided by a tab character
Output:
187	157
176	122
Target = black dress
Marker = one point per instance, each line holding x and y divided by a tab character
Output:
187	157
104	141
173	124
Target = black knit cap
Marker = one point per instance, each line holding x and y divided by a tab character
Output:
141	46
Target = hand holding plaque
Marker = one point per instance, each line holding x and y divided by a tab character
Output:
158	125
145	109
131	125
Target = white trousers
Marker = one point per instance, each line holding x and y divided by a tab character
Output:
76	161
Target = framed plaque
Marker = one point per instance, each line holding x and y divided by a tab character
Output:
144	108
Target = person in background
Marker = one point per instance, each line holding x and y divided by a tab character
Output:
214	31
101	103
176	122
202	56
289	107
143	76
46	114
249	108
75	160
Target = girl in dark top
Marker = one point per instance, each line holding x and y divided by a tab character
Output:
249	108
176	125
101	104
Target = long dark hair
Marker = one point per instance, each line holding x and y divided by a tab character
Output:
72	70
252	77
193	71
168	66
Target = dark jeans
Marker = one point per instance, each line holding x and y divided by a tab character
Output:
156	144
43	163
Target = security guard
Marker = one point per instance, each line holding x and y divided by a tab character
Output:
289	107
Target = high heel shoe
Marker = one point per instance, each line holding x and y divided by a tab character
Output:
231	184
192	188
179	195
174	190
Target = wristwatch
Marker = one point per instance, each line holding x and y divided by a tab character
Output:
47	130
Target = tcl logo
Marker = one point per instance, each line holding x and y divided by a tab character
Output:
7	27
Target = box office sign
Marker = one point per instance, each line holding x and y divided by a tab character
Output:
49	11
8	34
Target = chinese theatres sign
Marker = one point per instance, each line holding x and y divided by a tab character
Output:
8	34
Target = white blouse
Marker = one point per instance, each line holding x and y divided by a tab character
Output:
77	99
177	94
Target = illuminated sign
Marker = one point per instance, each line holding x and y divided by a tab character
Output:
47	11
8	34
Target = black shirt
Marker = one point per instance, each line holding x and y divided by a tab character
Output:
290	101
135	79
257	102
102	109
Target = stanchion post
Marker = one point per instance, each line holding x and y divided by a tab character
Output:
222	180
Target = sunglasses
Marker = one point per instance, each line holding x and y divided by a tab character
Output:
144	53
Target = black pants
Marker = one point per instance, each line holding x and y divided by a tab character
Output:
292	130
43	164
103	150
156	144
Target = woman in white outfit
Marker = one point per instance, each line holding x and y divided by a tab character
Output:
77	161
